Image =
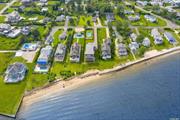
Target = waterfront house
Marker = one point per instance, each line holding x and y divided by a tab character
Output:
150	18
146	42
106	49
13	17
75	52
15	72
26	30
133	47
169	37
121	48
133	37
44	58
134	18
158	40
60	53
89	52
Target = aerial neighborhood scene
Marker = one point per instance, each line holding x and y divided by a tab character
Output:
43	42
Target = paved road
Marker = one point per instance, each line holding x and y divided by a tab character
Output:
7	6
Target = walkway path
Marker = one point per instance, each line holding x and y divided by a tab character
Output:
7	6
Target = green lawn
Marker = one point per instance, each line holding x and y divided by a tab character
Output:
4	59
2	6
9	43
101	34
2	19
83	21
144	22
56	37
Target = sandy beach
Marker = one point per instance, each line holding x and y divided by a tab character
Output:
92	75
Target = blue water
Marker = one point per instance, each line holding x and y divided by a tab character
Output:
148	92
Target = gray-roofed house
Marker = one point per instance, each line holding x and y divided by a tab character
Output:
5	28
169	37
133	46
157	36
150	18
134	18
89	52
44	58
121	49
146	42
26	30
14	17
14	33
106	49
60	53
75	52
15	72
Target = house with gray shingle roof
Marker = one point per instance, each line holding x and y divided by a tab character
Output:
60	53
89	52
121	49
106	49
15	72
14	17
75	52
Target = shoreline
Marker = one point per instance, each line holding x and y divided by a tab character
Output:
74	82
60	86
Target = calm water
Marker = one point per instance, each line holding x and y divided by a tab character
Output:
151	92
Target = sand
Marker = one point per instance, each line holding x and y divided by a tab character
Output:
92	75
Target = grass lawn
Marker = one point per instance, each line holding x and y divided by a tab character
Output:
147	33
56	37
83	21
2	19
4	59
144	22
11	94
101	34
2	6
9	43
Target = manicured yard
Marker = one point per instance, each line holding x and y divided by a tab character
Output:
144	22
4	59
9	43
85	21
56	37
2	6
2	19
101	34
